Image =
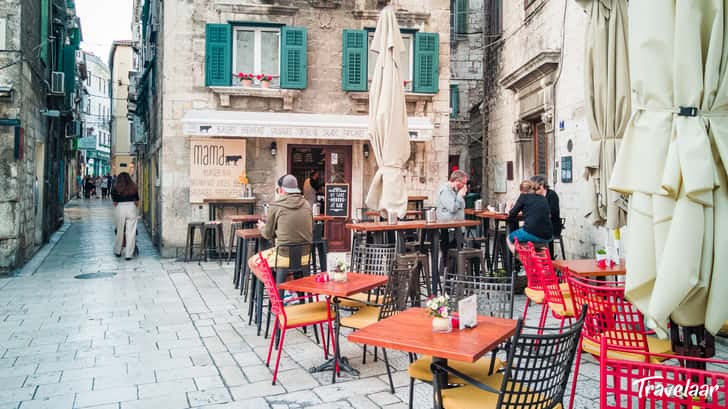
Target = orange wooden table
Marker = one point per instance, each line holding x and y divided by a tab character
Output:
411	331
588	268
215	203
355	283
245	218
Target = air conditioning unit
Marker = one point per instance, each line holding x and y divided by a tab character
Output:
58	82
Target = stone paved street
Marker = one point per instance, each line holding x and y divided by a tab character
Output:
167	334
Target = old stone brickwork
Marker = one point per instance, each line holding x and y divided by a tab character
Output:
180	62
466	69
20	234
538	81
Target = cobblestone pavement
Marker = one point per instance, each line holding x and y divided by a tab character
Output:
166	334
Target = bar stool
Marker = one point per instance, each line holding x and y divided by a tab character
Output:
466	262
212	239
560	239
418	265
190	242
234	226
319	249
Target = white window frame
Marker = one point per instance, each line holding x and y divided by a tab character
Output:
407	37
257	48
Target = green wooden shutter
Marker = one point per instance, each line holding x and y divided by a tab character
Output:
454	96
461	16
427	61
354	64
293	57
218	55
43	31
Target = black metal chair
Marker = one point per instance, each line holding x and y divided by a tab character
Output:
394	300
534	377
560	239
377	259
319	249
494	298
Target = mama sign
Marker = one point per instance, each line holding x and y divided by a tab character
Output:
215	164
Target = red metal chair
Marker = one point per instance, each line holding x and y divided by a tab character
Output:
556	299
534	289
611	319
293	316
643	383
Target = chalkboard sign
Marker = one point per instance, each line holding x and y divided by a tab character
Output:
337	199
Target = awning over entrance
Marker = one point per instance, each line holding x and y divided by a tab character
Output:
289	125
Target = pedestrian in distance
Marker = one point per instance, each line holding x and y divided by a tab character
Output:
125	196
104	186
98	183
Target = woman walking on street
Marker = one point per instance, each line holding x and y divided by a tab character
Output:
126	199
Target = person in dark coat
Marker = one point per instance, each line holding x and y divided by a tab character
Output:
542	188
536	217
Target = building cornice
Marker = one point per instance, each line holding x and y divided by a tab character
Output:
538	67
235	6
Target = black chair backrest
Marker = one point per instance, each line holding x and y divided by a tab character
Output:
538	367
318	232
494	294
396	293
295	254
377	259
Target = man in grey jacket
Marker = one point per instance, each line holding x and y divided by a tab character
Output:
451	197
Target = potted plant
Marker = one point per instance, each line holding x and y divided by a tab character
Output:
439	309
340	269
264	80
246	80
601	255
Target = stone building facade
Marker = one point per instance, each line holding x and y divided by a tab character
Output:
466	88
38	163
534	108
97	116
120	63
313	114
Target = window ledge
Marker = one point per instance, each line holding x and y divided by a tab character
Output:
404	18
234	6
286	95
419	100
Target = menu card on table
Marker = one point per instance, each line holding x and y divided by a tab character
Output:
467	312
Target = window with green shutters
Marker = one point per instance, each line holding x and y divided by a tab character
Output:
454	97
460	11
44	31
427	61
218	55
293	57
354	64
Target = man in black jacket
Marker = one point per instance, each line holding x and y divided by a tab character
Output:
553	199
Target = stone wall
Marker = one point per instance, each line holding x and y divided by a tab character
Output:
181	52
528	34
466	70
120	141
21	198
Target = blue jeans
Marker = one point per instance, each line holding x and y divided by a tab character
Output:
524	236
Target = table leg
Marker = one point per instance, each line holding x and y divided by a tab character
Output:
337	363
435	263
439	378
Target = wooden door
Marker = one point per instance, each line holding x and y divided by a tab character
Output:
338	170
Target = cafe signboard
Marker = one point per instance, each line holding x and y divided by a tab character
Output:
215	164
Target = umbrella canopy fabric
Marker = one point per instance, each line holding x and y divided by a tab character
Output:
673	162
388	119
608	105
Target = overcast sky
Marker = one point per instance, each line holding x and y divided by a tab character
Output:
102	22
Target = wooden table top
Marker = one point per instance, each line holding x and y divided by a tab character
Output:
416	198
355	283
245	218
409	213
410	225
493	215
244	200
411	331
323	218
248	233
589	268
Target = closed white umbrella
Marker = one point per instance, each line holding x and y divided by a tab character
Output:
607	97
673	162
388	119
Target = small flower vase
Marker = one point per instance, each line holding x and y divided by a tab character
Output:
339	276
265	84
441	325
246	82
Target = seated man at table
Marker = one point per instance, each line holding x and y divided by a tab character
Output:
451	206
536	217
290	221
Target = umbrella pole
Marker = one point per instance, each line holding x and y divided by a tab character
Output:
693	342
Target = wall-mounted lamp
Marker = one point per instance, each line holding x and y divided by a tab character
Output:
366	151
273	149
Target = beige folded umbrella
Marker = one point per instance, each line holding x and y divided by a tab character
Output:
608	107
388	119
673	162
